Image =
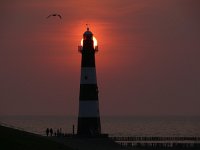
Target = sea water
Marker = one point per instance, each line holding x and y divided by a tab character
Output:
114	126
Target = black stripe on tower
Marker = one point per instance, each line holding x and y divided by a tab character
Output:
88	92
88	59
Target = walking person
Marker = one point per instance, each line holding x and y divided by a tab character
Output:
51	131
47	131
58	132
73	129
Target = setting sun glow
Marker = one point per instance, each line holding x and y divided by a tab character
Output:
94	39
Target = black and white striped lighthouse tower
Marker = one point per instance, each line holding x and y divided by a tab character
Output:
89	117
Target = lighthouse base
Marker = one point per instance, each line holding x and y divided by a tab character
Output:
89	126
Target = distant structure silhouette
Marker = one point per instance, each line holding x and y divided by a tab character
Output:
54	15
89	117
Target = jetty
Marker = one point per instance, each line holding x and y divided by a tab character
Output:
17	139
159	142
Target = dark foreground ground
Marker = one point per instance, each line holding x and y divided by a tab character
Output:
12	139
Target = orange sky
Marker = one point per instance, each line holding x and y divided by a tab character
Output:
148	59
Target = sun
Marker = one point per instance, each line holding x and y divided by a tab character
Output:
94	40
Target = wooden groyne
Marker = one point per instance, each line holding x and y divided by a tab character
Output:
155	138
162	145
159	142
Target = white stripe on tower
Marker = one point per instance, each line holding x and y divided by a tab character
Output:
89	109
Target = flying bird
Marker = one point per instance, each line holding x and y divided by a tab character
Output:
58	15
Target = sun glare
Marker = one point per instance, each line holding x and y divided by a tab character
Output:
94	39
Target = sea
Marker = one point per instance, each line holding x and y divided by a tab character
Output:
169	126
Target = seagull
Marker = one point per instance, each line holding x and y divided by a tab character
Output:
55	15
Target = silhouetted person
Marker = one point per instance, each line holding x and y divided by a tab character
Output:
58	132
51	131
73	129
47	131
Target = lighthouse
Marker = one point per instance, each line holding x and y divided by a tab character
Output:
88	116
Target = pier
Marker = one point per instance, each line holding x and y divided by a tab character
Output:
159	142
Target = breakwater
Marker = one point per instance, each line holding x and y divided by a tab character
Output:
159	142
155	138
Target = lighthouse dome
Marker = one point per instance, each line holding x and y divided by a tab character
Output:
88	33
